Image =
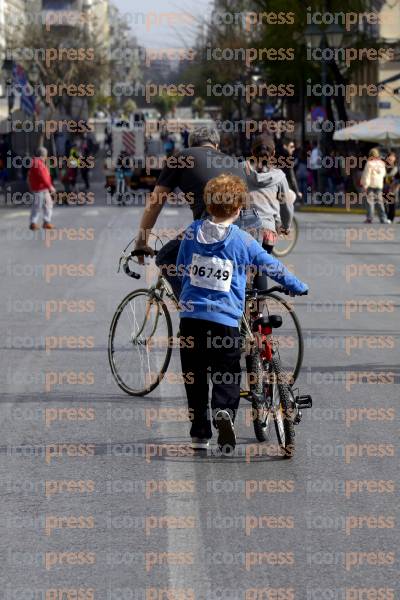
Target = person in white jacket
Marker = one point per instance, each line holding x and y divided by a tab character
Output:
372	181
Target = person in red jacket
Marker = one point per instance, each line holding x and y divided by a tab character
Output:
41	186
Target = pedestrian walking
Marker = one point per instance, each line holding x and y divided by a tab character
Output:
41	185
85	154
302	174
372	180
332	174
315	164
286	152
391	188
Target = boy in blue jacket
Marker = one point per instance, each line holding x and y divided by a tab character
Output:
213	262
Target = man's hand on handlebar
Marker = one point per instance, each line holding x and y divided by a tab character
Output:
283	231
147	251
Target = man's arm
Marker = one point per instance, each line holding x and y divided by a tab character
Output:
154	203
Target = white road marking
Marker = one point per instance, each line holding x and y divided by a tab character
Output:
92	212
16	215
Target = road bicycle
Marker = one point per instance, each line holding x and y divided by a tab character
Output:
286	243
141	341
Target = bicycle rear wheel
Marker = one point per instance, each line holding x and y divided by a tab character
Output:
289	337
140	342
286	243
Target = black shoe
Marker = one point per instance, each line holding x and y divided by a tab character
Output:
226	432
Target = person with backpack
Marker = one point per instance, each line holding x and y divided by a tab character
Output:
269	192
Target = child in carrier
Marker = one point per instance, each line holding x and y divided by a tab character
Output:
213	260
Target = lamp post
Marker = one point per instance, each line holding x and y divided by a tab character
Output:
7	68
331	37
253	75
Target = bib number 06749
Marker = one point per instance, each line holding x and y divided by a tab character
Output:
211	272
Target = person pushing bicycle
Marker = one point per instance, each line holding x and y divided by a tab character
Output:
213	261
193	168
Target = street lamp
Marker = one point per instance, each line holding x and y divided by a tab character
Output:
8	66
334	35
313	36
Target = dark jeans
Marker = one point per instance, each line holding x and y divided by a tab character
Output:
391	207
212	354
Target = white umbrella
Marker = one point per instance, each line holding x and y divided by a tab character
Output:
384	130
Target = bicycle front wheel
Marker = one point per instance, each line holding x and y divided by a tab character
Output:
140	342
282	408
288	339
286	243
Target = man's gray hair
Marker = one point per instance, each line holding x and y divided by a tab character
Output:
204	135
42	152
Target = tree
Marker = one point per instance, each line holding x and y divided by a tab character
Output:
63	76
166	103
130	106
198	106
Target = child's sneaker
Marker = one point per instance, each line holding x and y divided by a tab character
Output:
200	443
226	432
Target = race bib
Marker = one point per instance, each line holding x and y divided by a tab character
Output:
211	272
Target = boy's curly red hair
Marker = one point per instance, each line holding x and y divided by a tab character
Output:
224	194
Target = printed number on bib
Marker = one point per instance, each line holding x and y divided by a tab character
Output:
211	272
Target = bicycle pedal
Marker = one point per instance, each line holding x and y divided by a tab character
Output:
246	395
303	401
298	417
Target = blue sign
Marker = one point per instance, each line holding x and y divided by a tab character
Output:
385	105
269	110
318	113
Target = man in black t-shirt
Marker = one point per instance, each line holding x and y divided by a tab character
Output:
189	170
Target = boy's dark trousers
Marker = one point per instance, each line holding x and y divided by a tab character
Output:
210	352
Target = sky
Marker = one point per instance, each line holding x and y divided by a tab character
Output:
183	16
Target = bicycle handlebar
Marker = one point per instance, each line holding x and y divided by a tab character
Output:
134	254
276	288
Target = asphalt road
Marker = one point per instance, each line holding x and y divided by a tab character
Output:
101	496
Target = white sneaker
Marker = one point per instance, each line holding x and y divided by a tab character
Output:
386	222
200	443
226	432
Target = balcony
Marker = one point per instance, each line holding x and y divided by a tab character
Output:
60	5
62	13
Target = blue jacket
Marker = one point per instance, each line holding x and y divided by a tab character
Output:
215	274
